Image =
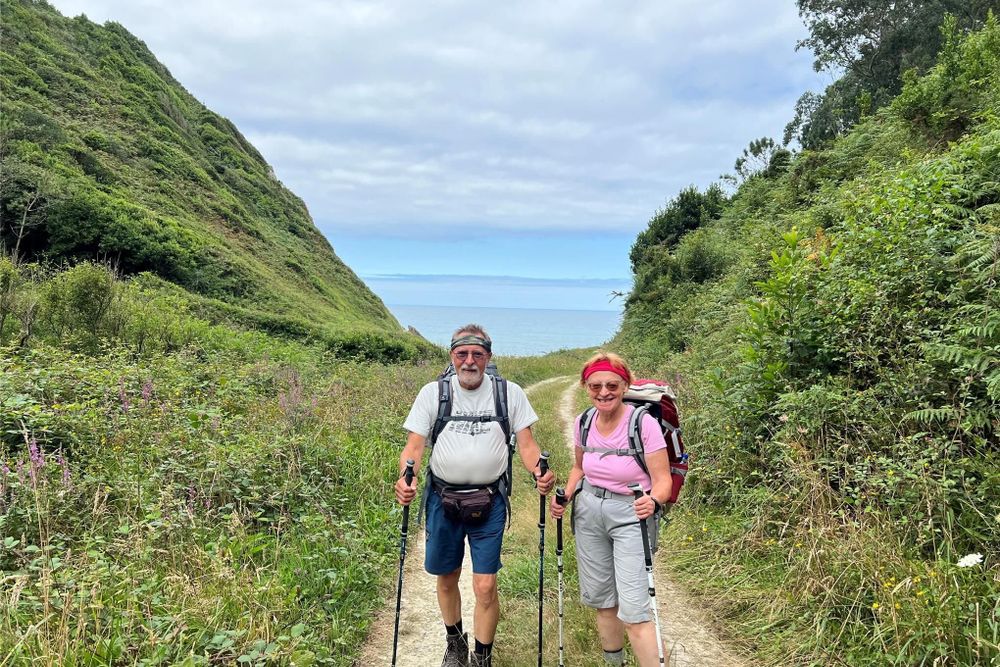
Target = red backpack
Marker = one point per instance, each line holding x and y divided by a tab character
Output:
658	400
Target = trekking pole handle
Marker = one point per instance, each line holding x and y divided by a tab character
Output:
543	464
561	499
636	490
408	474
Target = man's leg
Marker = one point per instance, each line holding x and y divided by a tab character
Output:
450	597
450	600
487	607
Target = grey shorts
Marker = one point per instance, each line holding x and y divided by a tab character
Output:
610	563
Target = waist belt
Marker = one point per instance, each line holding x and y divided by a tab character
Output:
601	492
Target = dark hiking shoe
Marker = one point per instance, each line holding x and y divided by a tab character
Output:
482	660
457	653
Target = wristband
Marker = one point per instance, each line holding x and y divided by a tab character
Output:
658	505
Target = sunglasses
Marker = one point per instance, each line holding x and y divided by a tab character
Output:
475	354
613	386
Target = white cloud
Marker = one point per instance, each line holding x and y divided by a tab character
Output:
518	115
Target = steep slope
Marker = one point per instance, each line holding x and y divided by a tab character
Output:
834	331
106	156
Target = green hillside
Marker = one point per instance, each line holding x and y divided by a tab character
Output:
106	157
833	327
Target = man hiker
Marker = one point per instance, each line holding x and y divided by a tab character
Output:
467	476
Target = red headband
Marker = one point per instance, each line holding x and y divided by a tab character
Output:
604	365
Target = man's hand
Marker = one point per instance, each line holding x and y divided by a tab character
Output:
545	482
405	493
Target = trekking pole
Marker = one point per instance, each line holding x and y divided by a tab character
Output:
561	501
402	557
648	554
543	467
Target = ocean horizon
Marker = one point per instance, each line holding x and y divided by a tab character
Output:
515	331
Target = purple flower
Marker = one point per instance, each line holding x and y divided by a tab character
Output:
35	454
123	395
147	391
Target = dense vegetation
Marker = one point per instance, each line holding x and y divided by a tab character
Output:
106	157
834	329
178	492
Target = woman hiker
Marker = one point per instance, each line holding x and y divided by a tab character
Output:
609	547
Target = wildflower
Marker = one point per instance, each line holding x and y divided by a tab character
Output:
970	560
123	395
875	606
783	418
147	391
690	539
36	455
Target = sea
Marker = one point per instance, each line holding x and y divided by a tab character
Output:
515	331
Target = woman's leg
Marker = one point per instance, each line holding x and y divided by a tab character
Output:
611	630
642	637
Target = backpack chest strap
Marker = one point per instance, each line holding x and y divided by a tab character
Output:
608	451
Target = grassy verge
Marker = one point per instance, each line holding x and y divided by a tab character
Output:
194	509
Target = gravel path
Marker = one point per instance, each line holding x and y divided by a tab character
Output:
686	628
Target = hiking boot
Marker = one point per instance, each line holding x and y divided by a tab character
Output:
457	653
482	660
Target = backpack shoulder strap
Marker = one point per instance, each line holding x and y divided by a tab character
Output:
586	421
444	408
500	404
635	436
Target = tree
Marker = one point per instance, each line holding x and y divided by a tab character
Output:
870	43
763	157
687	211
26	193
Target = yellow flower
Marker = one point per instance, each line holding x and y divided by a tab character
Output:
704	529
875	605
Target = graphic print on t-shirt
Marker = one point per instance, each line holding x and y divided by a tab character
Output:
470	428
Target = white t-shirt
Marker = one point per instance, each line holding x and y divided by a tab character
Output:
469	452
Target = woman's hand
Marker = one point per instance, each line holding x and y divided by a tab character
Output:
555	509
645	507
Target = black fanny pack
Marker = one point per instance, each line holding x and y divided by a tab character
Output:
469	507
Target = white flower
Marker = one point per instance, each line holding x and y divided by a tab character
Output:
970	560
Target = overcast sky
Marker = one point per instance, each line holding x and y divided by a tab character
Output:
516	139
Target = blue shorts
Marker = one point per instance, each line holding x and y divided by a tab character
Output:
445	548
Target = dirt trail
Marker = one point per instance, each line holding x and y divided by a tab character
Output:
686	628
